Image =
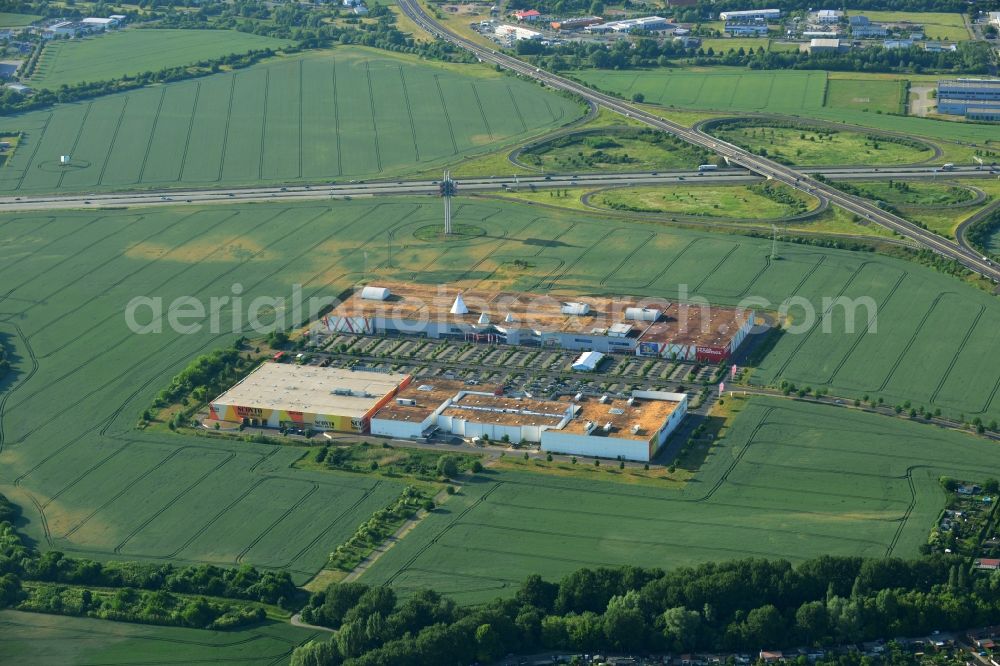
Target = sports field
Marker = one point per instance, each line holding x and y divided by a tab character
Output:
131	52
344	113
788	480
786	92
44	640
9	20
93	485
883	95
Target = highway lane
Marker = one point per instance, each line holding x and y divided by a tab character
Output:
733	154
469	185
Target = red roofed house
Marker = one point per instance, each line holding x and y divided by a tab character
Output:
987	564
527	15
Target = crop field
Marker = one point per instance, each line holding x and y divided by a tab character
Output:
130	52
788	480
93	485
787	92
729	201
810	147
349	112
44	640
937	25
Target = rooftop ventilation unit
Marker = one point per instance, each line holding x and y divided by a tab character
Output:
616	411
425	387
607	427
604	399
406	401
578	397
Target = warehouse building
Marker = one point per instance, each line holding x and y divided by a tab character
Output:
746	29
516	33
751	15
633	428
825	46
829	16
629	325
646	23
575	23
279	395
862	28
976	99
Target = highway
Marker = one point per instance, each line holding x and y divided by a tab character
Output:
733	154
470	185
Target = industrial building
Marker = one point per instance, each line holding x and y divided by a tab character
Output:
647	23
631	428
575	23
627	324
751	14
976	99
862	28
83	26
279	395
825	46
516	33
829	16
529	15
746	29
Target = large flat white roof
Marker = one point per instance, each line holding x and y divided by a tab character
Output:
311	389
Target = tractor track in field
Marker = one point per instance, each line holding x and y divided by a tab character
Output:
437	537
868	324
165	507
313	488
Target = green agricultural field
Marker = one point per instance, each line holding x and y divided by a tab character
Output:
615	149
788	480
885	95
350	112
131	52
936	25
786	92
723	201
92	485
811	147
9	20
48	640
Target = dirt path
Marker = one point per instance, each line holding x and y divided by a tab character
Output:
393	539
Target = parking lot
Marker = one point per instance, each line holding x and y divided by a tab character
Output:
520	370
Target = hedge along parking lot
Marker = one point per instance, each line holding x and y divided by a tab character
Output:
788	479
92	485
345	113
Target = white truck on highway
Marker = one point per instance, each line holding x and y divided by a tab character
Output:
707	167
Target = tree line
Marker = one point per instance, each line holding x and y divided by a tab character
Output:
4	360
52	582
748	604
979	234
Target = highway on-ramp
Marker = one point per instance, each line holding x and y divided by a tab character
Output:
733	154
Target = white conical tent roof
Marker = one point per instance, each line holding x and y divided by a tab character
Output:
458	307
484	318
509	318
